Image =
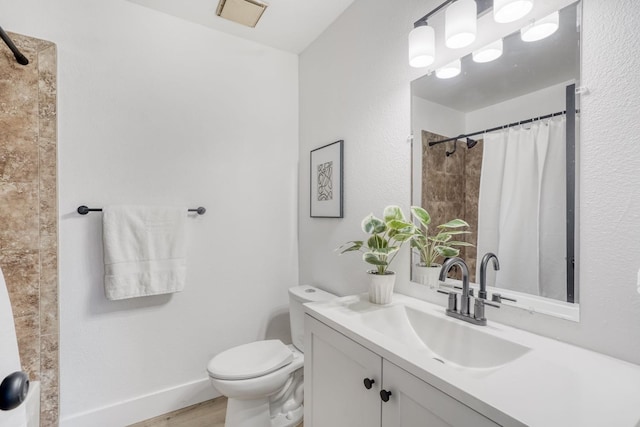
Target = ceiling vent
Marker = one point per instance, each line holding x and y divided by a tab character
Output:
245	12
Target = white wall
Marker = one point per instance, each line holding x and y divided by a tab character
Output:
539	103
351	88
354	84
436	118
156	110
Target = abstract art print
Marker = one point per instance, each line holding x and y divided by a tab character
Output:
326	181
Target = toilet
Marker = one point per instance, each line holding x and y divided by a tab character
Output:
263	379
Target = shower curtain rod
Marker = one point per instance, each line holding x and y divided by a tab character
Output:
559	113
22	60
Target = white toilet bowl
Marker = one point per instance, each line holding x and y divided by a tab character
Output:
262	394
263	380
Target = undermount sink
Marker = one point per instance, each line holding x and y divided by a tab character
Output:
447	340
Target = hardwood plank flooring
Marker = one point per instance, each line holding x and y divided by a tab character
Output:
206	414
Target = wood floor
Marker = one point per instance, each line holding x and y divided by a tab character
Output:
206	414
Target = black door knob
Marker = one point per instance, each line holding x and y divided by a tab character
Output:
368	383
384	395
13	390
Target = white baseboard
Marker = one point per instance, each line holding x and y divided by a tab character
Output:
141	408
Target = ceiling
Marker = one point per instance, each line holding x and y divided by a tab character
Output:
523	68
289	25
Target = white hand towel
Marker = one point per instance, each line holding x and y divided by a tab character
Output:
144	250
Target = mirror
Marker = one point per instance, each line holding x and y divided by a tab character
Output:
496	146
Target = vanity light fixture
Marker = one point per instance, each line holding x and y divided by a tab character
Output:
489	52
422	40
510	10
460	24
541	28
422	45
450	70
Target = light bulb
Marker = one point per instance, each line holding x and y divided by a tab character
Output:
422	49
460	24
450	70
510	10
489	52
541	28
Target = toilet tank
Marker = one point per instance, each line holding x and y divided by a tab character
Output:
299	295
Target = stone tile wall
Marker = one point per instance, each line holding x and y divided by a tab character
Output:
29	209
450	187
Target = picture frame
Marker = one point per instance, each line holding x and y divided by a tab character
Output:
326	177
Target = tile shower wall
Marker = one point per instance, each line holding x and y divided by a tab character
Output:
450	187
28	210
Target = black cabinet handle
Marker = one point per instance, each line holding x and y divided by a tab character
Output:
384	395
368	383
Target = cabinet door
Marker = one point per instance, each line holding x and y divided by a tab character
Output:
335	368
414	403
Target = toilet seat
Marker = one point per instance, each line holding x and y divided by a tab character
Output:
250	360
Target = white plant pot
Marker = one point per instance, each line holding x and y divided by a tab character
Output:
428	276
381	287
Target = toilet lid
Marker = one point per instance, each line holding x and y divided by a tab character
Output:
250	360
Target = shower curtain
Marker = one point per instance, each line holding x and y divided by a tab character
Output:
522	208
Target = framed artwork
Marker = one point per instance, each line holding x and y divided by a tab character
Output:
326	176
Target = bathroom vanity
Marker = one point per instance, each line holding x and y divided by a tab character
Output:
407	364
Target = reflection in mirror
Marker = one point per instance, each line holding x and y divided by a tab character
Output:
495	146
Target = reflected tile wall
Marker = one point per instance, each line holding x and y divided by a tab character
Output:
450	187
28	210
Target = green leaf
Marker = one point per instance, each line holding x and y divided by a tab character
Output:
374	259
393	212
454	223
455	243
446	251
440	237
454	232
385	251
373	225
377	242
395	224
350	246
422	215
418	240
402	237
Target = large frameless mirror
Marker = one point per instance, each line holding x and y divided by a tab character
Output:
496	147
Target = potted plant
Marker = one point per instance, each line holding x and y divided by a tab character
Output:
386	236
432	247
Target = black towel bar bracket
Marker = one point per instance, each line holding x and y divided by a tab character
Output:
83	210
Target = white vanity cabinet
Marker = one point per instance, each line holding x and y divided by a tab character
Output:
334	371
415	403
337	395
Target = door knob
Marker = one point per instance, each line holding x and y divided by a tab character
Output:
368	383
13	390
384	395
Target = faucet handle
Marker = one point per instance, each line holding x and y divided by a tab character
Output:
453	300
490	304
496	297
478	308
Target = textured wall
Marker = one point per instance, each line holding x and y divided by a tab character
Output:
354	84
28	209
157	110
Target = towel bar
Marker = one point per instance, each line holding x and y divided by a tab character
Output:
83	210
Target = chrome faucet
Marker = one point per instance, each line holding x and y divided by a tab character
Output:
448	264
483	272
464	313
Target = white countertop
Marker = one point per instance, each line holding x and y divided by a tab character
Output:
553	384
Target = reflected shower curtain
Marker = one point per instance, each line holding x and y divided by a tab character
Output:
522	208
